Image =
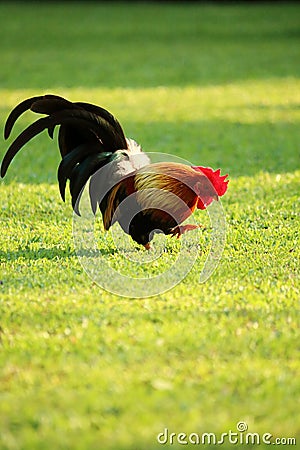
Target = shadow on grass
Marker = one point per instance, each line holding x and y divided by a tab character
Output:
58	254
41	253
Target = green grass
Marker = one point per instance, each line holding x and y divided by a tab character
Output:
84	369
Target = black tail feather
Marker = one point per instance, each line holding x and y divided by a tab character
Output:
16	113
80	175
73	158
31	131
76	117
106	115
21	108
88	137
49	104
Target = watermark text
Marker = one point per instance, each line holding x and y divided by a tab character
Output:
240	436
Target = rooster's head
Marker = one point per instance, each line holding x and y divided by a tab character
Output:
211	186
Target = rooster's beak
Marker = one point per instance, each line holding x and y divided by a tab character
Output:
147	246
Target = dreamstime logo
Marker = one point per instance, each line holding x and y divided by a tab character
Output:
242	426
240	436
115	262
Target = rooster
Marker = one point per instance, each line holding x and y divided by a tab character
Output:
144	198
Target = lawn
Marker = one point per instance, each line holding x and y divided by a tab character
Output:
84	369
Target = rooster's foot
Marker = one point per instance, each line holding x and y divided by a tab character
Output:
179	230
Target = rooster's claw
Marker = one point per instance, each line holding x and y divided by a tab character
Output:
179	230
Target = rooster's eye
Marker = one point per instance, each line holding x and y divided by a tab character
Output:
204	187
198	188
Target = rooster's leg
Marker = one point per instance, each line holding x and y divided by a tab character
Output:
179	230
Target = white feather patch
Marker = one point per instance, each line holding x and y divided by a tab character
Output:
128	161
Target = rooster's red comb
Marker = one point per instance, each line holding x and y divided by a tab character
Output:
215	178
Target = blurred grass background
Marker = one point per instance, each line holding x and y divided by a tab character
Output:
215	84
